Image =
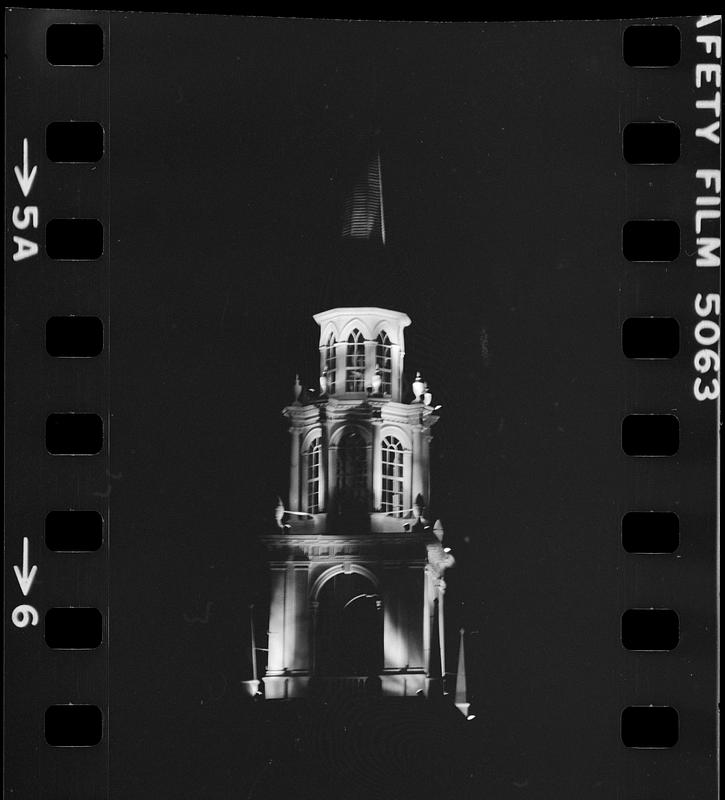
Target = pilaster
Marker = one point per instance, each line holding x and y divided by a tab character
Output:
369	363
419	483
377	465
340	371
396	364
294	475
275	659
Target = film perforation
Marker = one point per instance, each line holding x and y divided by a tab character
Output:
74	337
74	531
651	338
73	628
74	142
73	725
647	435
73	433
74	239
650	727
651	240
651	143
654	45
650	532
650	629
75	44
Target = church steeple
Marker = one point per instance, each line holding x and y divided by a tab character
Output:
356	558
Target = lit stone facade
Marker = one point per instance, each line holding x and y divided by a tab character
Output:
356	565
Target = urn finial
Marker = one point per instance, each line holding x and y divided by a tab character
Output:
419	506
279	512
418	386
377	380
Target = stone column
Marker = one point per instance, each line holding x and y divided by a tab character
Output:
294	474
331	478
369	364
396	364
314	612
323	472
434	679
323	349
425	440
381	630
377	470
419	478
392	634
299	659
427	622
275	660
408	493
340	352
290	628
442	628
369	458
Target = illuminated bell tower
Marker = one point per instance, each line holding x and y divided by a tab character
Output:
356	563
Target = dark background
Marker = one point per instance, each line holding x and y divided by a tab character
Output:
504	195
505	191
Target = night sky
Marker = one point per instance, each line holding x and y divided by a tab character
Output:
230	143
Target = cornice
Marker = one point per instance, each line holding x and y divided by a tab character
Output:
286	540
372	408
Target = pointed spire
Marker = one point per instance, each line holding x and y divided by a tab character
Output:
462	703
364	214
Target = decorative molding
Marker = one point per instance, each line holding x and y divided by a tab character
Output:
424	538
342	569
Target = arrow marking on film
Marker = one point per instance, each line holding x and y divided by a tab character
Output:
25	578
25	178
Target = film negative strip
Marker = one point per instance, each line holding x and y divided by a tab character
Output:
477	266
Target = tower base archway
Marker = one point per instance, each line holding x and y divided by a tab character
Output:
349	631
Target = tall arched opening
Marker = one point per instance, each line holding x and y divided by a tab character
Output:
349	630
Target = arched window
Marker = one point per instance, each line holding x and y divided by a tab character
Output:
331	363
355	363
312	476
384	362
393	478
352	471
